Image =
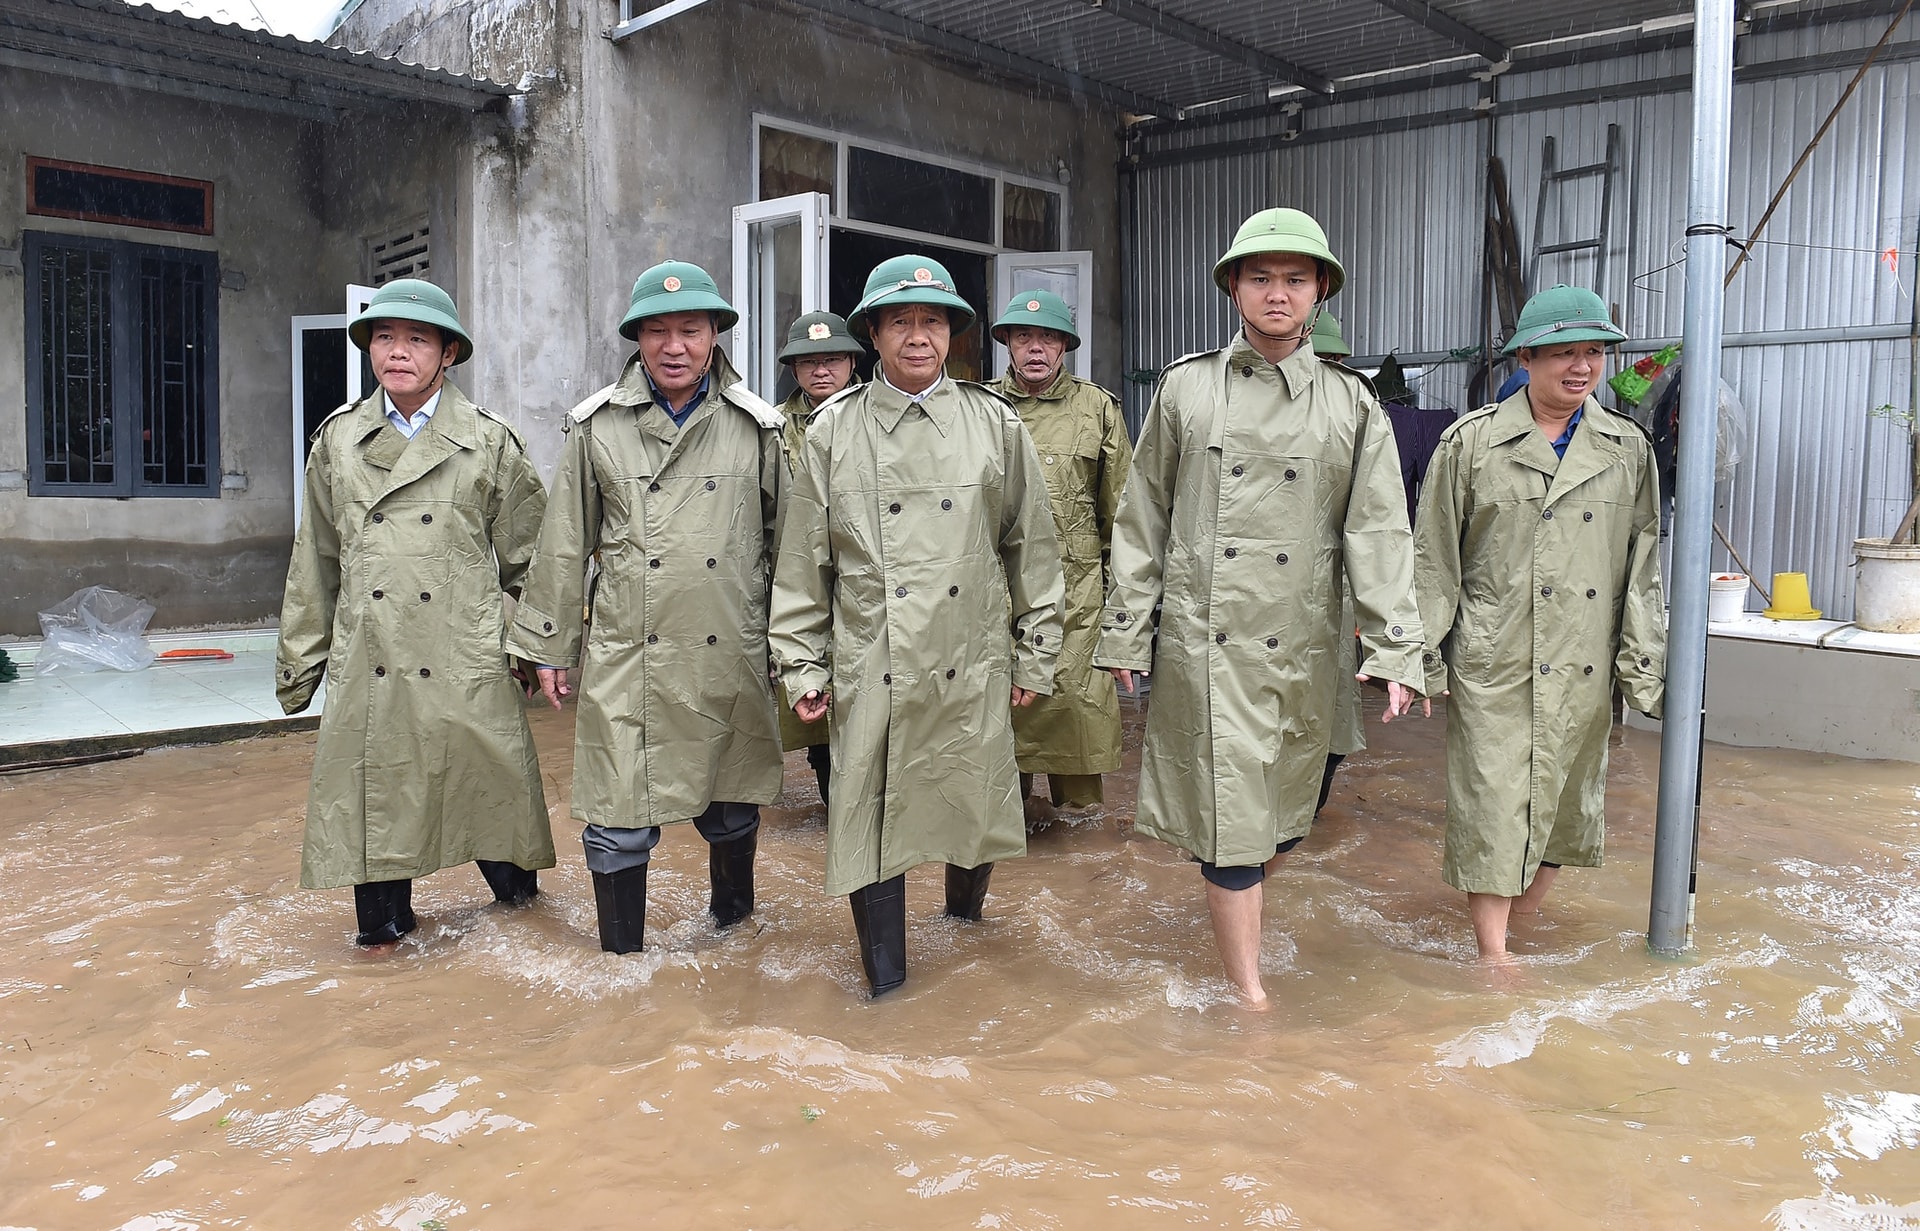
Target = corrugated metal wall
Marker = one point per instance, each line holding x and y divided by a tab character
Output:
1405	209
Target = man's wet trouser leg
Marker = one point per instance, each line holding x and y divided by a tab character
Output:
880	924
733	834
1326	779
820	756
617	858
511	883
1076	790
967	890
384	911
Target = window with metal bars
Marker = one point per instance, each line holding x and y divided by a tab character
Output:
122	368
404	252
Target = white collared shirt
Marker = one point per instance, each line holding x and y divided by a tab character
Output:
915	398
409	426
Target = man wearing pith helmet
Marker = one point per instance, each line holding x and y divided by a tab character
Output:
672	480
820	353
1073	736
421	510
1539	582
1262	475
918	598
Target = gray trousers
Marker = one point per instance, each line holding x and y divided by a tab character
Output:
612	850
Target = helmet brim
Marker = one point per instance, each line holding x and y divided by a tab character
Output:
1273	245
807	347
1564	331
678	301
959	314
360	331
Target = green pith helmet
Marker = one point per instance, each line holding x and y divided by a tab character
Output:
910	279
675	286
1281	230
411	299
1040	310
1328	341
819	333
1563	314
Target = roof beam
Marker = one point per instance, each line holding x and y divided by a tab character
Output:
1213	42
1429	15
987	54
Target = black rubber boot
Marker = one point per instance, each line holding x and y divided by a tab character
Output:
820	756
1326	779
384	911
730	868
511	883
880	924
967	890
621	900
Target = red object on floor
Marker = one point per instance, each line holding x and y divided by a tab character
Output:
188	655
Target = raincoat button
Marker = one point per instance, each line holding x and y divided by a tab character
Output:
1396	630
887	678
1587	516
286	675
426	519
1593	594
1232	552
1246	369
379	593
1049	459
425	597
1646	662
1290	476
949	672
711	562
1039	638
1586	670
711	639
894	507
953	591
654	563
1119	617
546	627
899	591
653	487
652	637
1273	643
711	485
1238	471
1281	558
425	674
1547	515
379	670
1545	670
1219	638
379	517
946	506
1546	591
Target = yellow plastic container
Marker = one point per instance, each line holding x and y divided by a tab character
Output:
1791	598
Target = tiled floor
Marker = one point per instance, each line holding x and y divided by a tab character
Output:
46	713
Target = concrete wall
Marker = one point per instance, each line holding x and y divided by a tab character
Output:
214	559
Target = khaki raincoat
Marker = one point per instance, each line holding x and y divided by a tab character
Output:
1084	452
1255	486
1539	585
798	409
919	560
394	594
676	710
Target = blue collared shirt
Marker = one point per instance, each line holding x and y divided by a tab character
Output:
680	416
410	425
1566	438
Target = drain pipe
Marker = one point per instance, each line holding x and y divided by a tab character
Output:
1677	827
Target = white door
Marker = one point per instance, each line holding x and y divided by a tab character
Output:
319	387
779	273
1068	275
359	371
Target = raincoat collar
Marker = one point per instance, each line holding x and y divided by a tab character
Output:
455	425
635	389
453	417
1061	386
1587	454
1298	370
890	405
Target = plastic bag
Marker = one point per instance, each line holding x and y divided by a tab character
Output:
95	629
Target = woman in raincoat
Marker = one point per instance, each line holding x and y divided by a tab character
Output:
421	510
1539	586
918	593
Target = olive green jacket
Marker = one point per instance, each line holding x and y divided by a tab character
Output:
1539	584
394	594
1257	488
919	581
1081	436
676	708
798	410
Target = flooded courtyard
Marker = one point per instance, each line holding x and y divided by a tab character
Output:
191	1040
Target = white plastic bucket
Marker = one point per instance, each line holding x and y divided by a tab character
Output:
1886	593
1727	598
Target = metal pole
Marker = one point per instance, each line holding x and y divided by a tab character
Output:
1676	833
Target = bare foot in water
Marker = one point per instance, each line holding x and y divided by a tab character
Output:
1255	1001
1501	972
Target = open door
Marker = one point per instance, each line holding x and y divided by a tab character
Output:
319	387
360	380
779	273
1068	275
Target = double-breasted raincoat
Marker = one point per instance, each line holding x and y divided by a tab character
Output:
1539	584
1081	437
1255	486
919	561
798	409
394	594
676	708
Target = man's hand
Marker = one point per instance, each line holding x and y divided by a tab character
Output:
1125	678
1022	697
813	706
1399	699
526	674
553	685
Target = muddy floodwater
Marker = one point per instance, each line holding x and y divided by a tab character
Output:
191	1040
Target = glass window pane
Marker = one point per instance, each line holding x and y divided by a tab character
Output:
791	163
173	414
75	302
1030	219
919	196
